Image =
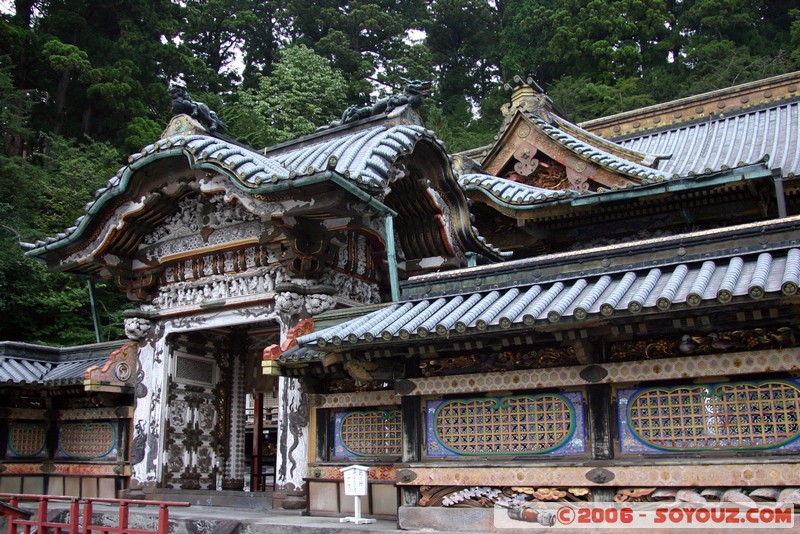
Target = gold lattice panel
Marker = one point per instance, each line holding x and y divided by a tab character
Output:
746	415
86	440
27	439
369	433
525	424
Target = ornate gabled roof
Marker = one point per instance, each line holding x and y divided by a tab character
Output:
359	162
365	159
534	137
770	134
596	149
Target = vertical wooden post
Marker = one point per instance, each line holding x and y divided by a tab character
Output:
41	518
413	424
12	525
123	517
87	516
74	514
599	403
324	438
163	519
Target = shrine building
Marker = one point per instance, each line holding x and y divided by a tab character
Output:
595	312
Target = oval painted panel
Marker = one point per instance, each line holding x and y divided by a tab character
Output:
519	425
27	439
86	440
744	415
376	433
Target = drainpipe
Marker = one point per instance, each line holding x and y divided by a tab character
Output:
389	215
780	196
93	305
391	258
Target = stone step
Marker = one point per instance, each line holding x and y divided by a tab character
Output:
253	500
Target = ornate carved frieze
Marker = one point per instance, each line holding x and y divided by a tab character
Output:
734	364
332	472
215	287
711	343
195	213
674	475
498	361
197	240
506	496
230	262
352	288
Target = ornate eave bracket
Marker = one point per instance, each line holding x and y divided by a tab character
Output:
269	363
118	374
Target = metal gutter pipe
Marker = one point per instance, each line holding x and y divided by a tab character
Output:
780	195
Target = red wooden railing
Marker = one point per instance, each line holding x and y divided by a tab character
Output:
82	524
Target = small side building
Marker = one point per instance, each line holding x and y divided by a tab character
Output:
66	418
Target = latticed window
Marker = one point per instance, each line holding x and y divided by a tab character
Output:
744	415
27	439
372	433
511	426
86	440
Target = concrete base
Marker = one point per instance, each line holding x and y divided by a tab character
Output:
447	519
224	498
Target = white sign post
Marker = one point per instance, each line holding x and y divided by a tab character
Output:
355	484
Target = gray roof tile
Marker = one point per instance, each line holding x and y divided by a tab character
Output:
726	142
23	371
739	278
509	191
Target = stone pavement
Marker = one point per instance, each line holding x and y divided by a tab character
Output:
238	521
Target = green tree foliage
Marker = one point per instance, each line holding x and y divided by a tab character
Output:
361	37
603	56
40	196
303	92
81	79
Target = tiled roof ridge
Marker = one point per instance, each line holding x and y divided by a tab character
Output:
731	99
645	290
602	251
511	192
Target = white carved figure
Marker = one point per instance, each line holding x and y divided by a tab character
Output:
136	327
316	304
289	303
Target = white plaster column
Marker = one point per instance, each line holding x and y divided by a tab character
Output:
147	443
292	458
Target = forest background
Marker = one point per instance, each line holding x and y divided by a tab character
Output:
83	83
